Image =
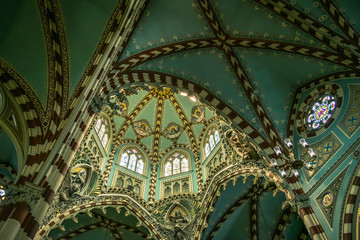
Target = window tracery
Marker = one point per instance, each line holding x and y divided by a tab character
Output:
212	138
176	163
132	159
102	129
321	111
2	193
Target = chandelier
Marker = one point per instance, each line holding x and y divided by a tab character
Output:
291	164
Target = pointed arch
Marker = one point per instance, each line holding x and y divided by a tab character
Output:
222	108
175	162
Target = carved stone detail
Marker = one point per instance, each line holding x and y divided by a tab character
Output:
27	193
244	149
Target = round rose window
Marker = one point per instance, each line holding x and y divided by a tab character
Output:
321	111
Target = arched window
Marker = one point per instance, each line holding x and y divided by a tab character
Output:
2	193
102	128
176	163
212	138
132	159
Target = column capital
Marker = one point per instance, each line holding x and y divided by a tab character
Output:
114	100
298	202
28	193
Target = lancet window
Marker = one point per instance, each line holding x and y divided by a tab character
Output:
176	163
102	129
212	138
132	159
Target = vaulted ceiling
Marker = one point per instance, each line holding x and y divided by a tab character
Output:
252	61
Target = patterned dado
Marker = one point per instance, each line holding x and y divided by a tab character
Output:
327	198
351	119
176	185
123	180
324	150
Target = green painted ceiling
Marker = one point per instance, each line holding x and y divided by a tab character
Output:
125	226
275	75
84	23
22	43
22	40
169	114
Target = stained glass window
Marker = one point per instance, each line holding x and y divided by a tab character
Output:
217	136
103	130
104	140
139	167
212	142
207	149
124	160
2	193
168	169
212	138
321	111
132	160
175	164
185	165
98	125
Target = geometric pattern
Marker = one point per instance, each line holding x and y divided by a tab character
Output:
327	198
301	116
351	119
324	150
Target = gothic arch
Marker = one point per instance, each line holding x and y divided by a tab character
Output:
133	207
143	78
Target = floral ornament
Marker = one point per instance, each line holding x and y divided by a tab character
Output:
321	112
327	199
142	128
172	131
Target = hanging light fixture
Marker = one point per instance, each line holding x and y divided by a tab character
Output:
292	164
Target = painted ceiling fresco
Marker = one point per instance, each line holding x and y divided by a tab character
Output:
260	64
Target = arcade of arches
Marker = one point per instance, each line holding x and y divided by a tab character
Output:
155	119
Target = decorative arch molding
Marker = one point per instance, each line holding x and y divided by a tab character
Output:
22	93
175	197
124	142
172	147
350	210
213	186
58	61
144	78
101	202
256	190
14	124
321	80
